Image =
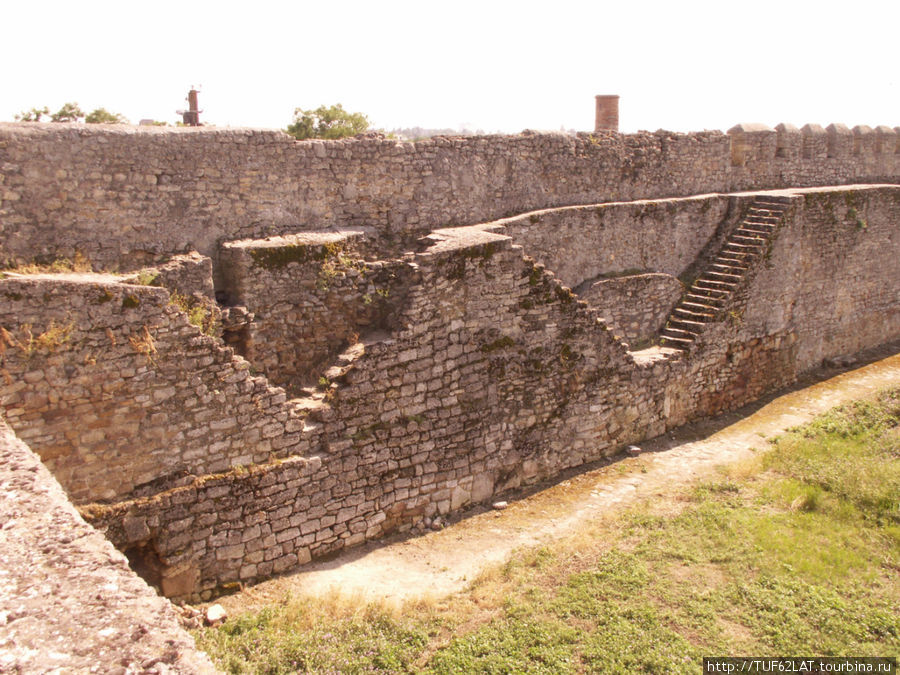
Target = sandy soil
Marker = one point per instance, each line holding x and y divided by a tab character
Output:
443	562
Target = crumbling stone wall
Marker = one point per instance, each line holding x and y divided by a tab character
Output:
311	295
487	385
127	196
491	376
117	392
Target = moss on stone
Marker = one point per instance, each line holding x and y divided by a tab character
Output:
130	302
276	258
484	251
564	295
500	343
105	296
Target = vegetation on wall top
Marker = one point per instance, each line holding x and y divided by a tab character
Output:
72	112
327	122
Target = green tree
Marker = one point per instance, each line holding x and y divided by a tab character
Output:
103	116
33	115
327	122
70	112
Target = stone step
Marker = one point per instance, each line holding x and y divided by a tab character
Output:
711	284
761	221
685	324
754	231
754	242
758	224
678	343
738	247
713	295
695	303
749	251
670	332
763	216
738	263
684	314
743	254
751	234
726	269
720	276
308	404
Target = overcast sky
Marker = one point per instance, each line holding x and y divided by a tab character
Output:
496	66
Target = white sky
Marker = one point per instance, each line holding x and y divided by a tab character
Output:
496	66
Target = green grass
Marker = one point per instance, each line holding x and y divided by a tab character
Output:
799	555
290	638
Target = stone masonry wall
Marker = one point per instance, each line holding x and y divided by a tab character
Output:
116	391
634	306
827	286
311	296
583	243
833	278
489	384
492	375
125	196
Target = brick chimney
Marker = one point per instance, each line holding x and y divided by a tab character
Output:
607	118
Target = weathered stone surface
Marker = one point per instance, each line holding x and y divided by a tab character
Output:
634	306
70	602
215	614
114	412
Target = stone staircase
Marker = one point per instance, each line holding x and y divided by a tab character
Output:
714	288
315	403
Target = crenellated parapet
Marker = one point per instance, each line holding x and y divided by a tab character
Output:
760	143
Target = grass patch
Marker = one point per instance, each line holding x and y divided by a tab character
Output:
201	312
30	344
300	637
77	263
795	553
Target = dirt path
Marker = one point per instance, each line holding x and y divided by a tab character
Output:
443	562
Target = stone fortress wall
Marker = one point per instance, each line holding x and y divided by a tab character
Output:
415	376
126	196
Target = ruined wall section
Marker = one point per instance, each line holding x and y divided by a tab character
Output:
424	420
311	296
486	387
493	376
496	377
127	196
70	602
117	392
